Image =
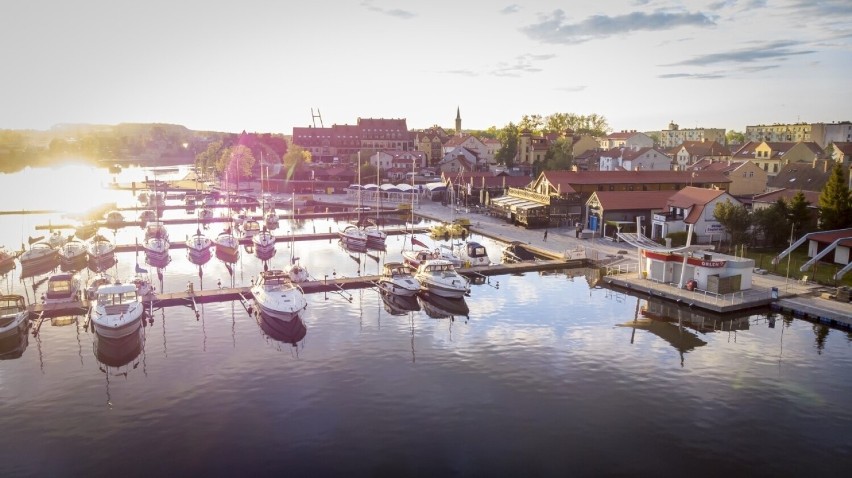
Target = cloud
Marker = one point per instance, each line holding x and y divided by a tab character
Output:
513	8
825	9
572	89
395	12
521	64
555	28
779	50
693	76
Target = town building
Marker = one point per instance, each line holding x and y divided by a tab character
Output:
747	179
692	206
342	143
691	152
626	139
669	138
642	159
612	212
820	133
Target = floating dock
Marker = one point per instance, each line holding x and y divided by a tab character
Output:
334	284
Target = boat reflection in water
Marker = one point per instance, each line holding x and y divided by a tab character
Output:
14	342
438	307
288	332
399	304
118	356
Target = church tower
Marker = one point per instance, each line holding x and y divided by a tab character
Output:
458	122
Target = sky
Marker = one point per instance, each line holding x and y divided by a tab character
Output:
262	66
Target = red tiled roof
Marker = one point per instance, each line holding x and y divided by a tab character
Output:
634	177
691	196
827	237
632	200
787	194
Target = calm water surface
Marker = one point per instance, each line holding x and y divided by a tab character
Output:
544	376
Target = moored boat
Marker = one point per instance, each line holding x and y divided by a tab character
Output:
13	314
39	253
475	254
277	296
198	247
117	311
226	244
398	279
250	227
100	249
264	243
352	236
72	252
61	288
440	277
114	219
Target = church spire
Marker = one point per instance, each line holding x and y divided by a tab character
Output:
458	121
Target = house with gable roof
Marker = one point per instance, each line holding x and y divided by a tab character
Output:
626	139
471	143
691	152
746	178
692	206
611	212
461	159
840	152
805	176
642	159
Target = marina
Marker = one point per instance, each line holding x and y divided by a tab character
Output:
542	349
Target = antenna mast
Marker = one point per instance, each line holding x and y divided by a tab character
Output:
315	116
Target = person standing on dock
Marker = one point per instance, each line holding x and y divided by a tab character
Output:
545	235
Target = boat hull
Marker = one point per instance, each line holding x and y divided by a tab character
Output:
116	326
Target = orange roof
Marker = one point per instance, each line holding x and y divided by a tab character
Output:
567	178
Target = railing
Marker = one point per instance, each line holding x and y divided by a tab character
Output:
622	269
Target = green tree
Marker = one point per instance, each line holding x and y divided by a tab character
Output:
533	123
206	159
771	223
835	204
508	137
367	172
559	156
236	163
735	219
295	158
734	137
799	213
559	122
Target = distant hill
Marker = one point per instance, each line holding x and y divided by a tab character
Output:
150	144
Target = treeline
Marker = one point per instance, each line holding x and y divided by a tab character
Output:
149	144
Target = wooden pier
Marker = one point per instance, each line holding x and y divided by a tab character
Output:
328	284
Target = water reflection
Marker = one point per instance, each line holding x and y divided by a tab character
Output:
285	331
438	307
117	357
13	343
398	304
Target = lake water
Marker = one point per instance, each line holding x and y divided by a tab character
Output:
543	376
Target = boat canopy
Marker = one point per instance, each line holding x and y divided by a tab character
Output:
439	186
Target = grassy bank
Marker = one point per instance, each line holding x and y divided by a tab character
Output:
821	272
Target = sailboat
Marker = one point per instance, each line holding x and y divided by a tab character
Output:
296	271
375	236
350	234
198	245
227	245
264	241
270	216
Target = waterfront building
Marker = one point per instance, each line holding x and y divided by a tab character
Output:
692	206
699	270
611	212
342	143
642	159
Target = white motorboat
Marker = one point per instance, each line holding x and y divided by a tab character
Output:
64	287
440	277
415	257
277	296
39	253
250	227
353	237
398	279
198	246
264	243
271	218
475	254
117	311
13	315
114	219
226	244
72	252
100	249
